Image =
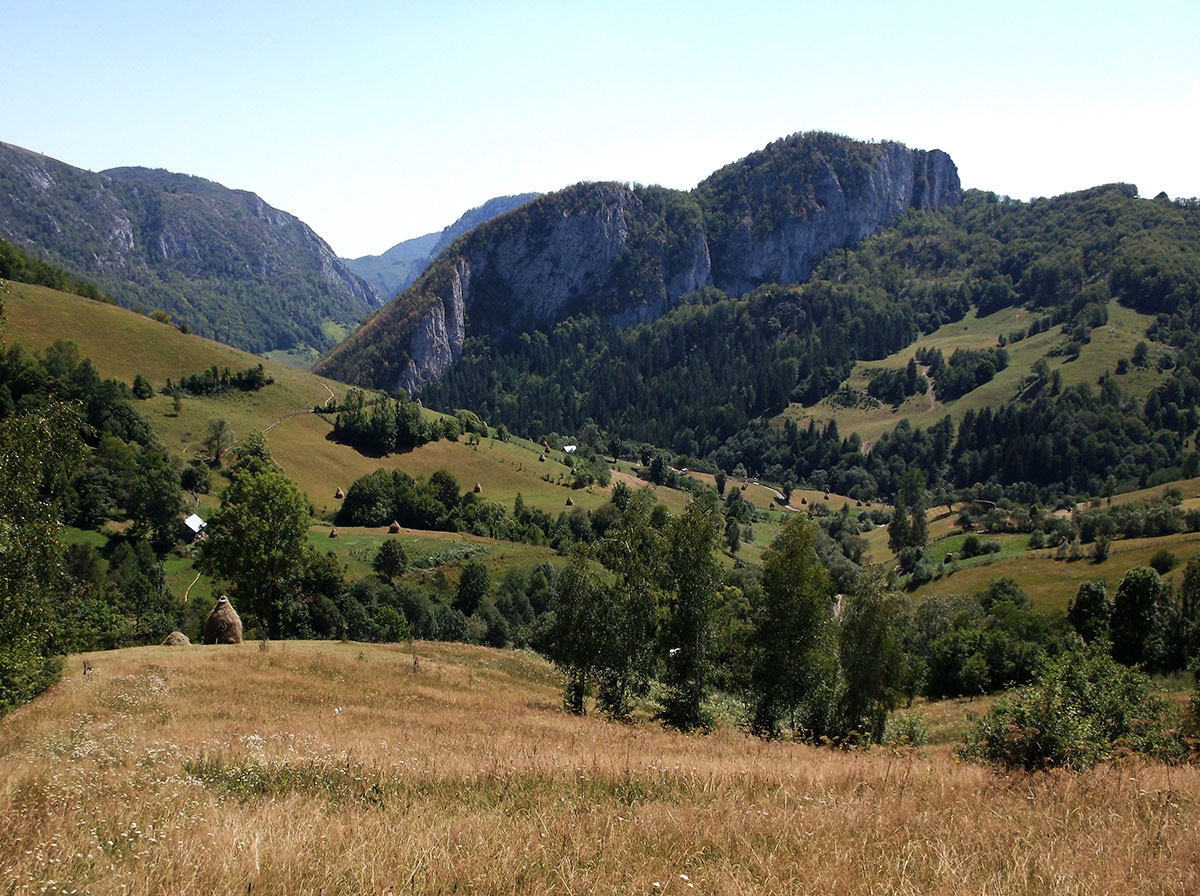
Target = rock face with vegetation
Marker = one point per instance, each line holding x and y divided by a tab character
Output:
628	253
221	262
401	265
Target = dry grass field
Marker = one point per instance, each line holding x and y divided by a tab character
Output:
342	769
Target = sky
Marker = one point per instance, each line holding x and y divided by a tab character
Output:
375	122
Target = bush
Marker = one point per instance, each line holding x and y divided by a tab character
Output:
1163	561
1082	708
907	729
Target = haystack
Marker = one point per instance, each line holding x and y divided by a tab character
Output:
176	639
478	489
339	494
394	528
333	533
223	625
570	503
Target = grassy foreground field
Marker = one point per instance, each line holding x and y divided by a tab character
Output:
341	768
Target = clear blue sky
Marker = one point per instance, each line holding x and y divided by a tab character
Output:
375	122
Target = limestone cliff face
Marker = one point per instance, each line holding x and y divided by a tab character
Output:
585	248
787	216
438	337
629	253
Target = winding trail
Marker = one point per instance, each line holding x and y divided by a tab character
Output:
331	397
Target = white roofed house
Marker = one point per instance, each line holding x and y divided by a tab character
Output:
193	528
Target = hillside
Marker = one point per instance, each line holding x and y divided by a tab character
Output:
1031	313
221	262
399	266
332	768
627	254
123	344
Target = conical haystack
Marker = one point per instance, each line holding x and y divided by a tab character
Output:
223	625
176	639
339	494
478	488
393	528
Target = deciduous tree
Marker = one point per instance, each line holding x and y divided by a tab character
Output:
255	541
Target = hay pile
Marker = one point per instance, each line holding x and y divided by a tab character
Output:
176	639
339	494
223	625
393	528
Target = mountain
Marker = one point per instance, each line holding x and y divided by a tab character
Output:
221	262
401	265
629	253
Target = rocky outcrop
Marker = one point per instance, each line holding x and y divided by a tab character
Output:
222	262
438	337
401	265
629	253
800	198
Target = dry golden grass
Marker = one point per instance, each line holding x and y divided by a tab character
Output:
337	768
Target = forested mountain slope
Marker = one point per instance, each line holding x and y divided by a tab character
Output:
628	253
221	262
704	378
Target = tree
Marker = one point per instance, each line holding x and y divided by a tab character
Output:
254	454
694	575
574	641
871	655
218	440
1141	619
30	550
472	587
1090	611
907	528
1187	637
155	500
633	551
142	388
794	644
390	560
255	542
733	535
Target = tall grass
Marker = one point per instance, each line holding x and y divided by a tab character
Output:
339	769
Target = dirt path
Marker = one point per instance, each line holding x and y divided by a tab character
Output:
300	413
929	391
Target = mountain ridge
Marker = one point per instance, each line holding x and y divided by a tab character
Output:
629	253
224	263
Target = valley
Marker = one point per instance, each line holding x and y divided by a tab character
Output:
647	539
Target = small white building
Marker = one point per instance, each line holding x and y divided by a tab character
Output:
195	527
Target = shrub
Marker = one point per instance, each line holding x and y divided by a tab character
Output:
1082	708
906	729
1163	561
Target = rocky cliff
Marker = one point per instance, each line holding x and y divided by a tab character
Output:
400	266
629	253
222	262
